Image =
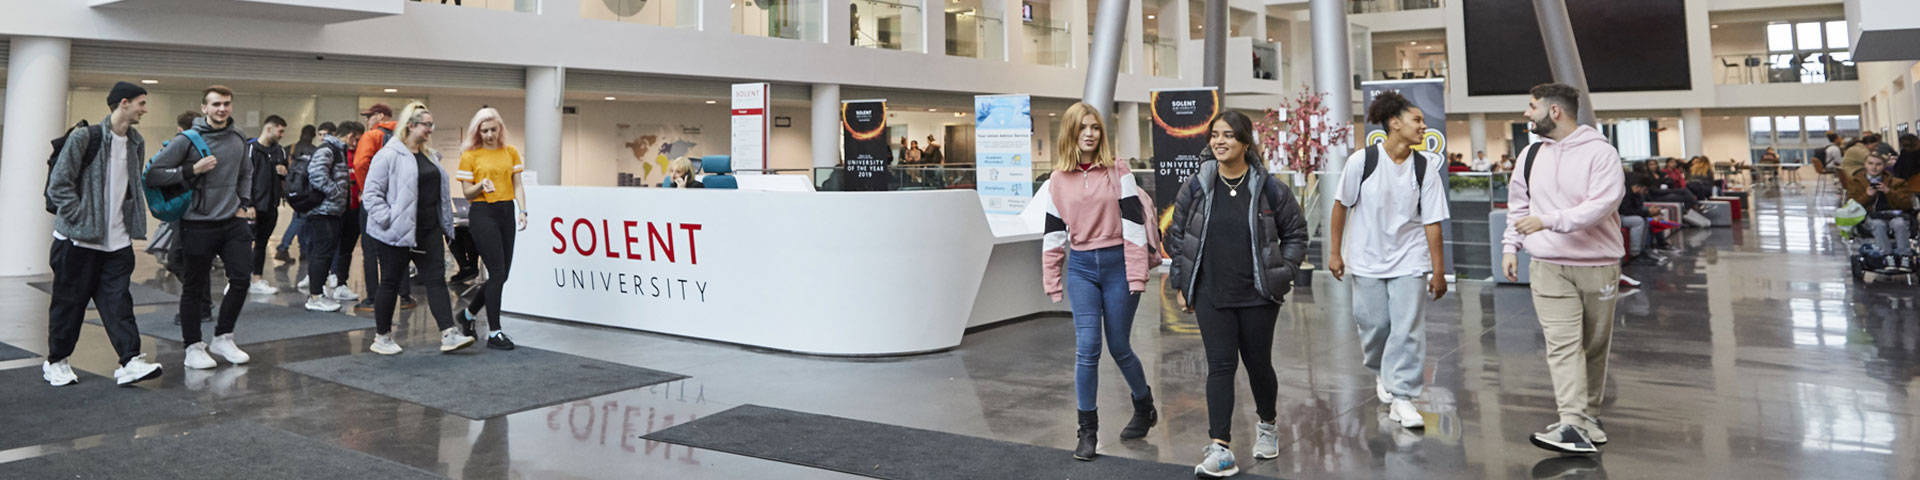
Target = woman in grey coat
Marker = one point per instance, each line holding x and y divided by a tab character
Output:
410	213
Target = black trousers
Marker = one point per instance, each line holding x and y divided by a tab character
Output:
263	223
1231	335
370	266
465	255
322	230
232	240
350	224
83	274
493	226
431	257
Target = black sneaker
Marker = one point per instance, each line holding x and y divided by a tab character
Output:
406	303
465	319
282	257
1565	438
500	341
464	277
365	305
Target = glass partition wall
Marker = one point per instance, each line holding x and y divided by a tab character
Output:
888	24
789	19
976	29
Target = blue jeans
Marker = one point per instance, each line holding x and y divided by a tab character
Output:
1097	286
295	228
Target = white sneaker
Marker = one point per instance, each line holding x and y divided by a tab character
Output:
1402	411
451	339
305	281
320	303
1380	388
197	357
1219	462
260	287
137	369
58	374
333	280
383	344
344	294
1266	441
224	347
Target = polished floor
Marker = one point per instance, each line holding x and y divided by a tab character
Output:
1750	354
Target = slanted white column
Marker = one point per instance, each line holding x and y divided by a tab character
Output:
36	111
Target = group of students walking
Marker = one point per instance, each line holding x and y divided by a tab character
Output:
382	185
1237	238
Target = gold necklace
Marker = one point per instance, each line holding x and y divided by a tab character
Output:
1233	189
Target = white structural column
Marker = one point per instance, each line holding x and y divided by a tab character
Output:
1079	30
1133	58
1692	133
825	132
545	87
1015	31
839	26
1477	128
716	15
935	32
1126	129
1176	30
36	111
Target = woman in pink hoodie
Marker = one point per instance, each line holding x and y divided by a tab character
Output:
1096	229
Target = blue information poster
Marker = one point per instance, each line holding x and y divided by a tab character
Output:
1003	149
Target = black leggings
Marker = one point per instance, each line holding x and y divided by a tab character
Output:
1231	335
263	223
431	257
493	225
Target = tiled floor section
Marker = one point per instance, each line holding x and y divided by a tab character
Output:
1751	355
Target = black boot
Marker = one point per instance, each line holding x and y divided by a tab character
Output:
1089	435
1144	417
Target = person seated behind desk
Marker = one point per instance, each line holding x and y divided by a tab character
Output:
1887	201
680	174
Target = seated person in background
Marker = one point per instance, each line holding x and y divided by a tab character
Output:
1700	177
680	174
1634	215
1457	162
1506	163
1656	185
1907	166
1672	176
1887	201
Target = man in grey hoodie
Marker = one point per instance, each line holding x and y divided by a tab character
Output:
218	222
98	212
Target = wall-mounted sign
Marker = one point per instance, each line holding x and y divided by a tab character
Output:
1026	12
750	125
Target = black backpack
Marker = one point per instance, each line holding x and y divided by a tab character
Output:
93	149
300	192
1533	151
1419	175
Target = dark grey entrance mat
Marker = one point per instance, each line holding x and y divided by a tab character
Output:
479	383
142	294
9	352
37	413
258	323
228	450
894	452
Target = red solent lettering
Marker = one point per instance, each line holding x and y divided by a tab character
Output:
628	229
608	234
653	239
555	226
662	246
693	254
593	241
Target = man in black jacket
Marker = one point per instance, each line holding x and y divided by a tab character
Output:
269	180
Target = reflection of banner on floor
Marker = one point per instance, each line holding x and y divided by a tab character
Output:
863	145
1179	138
1003	145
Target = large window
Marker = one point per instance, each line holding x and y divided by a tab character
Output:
887	24
976	29
789	19
1797	139
1809	52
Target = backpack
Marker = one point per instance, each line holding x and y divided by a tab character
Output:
1532	152
300	192
170	204
93	149
1419	175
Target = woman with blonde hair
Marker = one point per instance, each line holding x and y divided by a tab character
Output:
680	174
1095	252
490	179
410	212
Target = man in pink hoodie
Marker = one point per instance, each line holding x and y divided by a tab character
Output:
1562	204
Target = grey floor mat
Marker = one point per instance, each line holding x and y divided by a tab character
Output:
142	294
37	413
258	323
9	352
228	450
479	383
894	452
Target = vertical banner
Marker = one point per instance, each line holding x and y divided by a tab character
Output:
1003	146
750	125
1430	96
863	145
1179	138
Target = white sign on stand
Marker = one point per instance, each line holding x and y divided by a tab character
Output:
750	125
1003	142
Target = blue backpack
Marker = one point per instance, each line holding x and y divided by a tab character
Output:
172	206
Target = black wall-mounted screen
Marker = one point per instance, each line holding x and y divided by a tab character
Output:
1625	45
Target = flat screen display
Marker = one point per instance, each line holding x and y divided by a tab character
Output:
1625	45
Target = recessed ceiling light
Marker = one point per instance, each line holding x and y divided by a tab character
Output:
150	82
1716	26
1413	43
958	114
711	102
609	98
933	109
1052	114
392	90
1150	17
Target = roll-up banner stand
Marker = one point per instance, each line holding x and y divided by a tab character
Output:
751	113
1430	96
1003	145
863	145
1179	140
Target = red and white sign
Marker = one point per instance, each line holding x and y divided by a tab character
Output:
750	125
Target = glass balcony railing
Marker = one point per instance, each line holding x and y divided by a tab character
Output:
1048	44
1785	67
887	24
976	33
1163	58
666	13
528	6
1380	6
789	19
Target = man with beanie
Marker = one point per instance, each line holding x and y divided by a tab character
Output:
216	224
269	180
98	213
1563	211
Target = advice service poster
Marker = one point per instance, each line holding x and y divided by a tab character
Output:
1003	146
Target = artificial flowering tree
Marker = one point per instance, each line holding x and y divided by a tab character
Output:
1310	137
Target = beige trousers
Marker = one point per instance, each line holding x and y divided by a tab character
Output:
1575	306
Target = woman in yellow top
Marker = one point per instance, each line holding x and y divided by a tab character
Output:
490	177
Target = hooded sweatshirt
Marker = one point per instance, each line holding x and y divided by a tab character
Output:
219	193
1576	194
1091	210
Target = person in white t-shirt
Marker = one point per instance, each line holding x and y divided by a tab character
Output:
1389	221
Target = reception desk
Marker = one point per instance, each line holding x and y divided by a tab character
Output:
829	273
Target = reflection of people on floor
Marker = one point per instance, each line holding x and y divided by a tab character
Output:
490	457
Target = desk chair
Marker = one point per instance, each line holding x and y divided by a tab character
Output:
719	170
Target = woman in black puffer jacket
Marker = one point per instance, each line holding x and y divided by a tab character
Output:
1237	238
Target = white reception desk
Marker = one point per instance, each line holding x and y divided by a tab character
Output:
829	273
